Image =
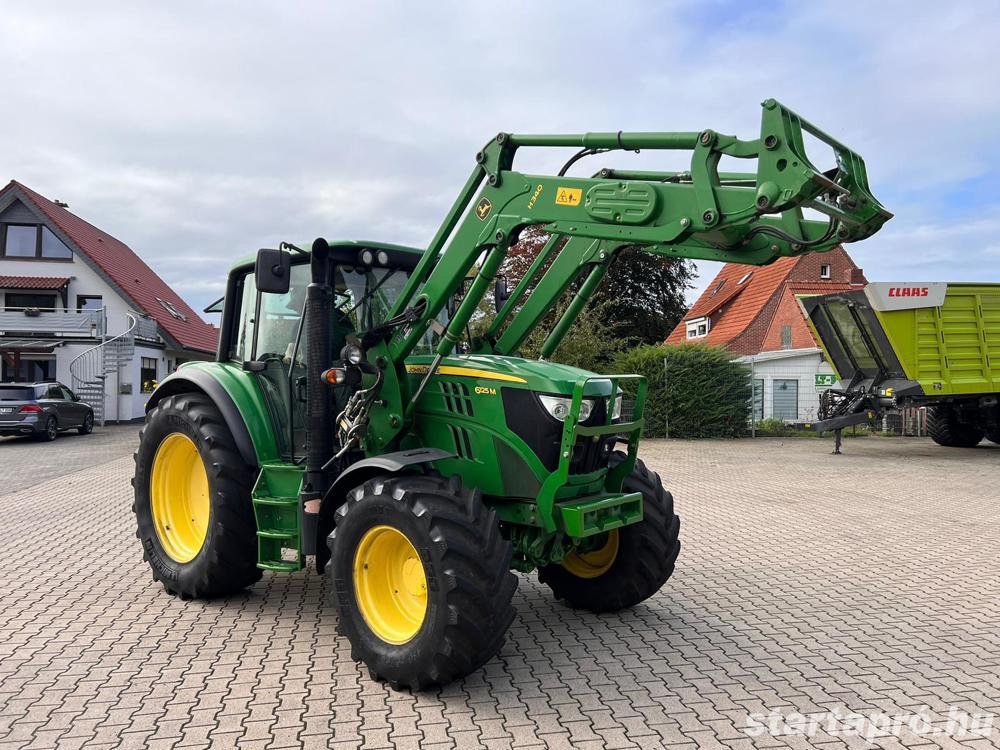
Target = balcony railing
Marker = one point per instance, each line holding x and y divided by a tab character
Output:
145	328
32	320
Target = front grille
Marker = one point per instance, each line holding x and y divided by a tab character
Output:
590	456
528	419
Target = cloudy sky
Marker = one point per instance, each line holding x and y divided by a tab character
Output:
199	131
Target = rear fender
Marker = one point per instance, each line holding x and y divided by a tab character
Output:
237	397
357	474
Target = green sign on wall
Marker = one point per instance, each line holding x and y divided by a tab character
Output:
825	380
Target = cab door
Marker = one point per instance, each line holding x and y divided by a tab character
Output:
270	335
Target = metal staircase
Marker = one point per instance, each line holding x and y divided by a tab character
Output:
90	369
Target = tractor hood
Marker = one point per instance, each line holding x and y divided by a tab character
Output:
533	374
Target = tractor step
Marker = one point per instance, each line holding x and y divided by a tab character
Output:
278	511
593	515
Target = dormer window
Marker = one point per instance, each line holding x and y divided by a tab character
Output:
698	327
824	271
174	312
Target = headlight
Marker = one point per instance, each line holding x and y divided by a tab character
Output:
351	354
616	411
558	407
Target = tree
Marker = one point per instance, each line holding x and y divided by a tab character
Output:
641	298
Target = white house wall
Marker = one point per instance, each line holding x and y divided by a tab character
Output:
85	281
803	369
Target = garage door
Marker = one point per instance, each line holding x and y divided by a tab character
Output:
786	399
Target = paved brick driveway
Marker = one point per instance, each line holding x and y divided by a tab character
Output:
807	583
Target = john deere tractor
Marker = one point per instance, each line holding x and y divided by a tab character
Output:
350	417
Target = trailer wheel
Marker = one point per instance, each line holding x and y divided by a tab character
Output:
629	564
192	500
421	578
945	429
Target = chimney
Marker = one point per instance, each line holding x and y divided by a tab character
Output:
858	277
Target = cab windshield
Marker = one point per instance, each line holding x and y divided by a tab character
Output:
363	298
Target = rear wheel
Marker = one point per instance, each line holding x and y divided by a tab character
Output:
50	432
945	429
192	500
624	566
421	578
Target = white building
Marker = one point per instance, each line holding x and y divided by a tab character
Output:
754	313
80	307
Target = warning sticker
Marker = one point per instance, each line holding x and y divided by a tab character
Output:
568	196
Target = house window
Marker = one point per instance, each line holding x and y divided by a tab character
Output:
21	300
32	241
698	328
147	373
20	242
824	271
786	337
86	302
53	247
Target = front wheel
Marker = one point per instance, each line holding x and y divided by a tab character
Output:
625	566
88	424
420	576
192	503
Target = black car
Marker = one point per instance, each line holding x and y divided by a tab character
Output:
42	410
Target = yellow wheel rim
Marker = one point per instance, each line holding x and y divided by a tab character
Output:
390	585
179	497
595	563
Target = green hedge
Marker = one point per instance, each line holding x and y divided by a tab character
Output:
699	390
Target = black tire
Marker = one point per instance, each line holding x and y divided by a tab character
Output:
227	560
645	556
466	563
945	429
88	424
51	431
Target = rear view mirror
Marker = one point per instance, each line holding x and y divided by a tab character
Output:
500	292
272	273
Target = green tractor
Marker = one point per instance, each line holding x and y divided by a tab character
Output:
350	417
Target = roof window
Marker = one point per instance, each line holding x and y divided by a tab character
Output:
746	278
174	312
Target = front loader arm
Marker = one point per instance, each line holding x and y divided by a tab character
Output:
752	218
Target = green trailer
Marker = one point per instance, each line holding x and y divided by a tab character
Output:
900	345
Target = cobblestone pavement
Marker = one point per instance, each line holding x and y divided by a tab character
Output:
25	462
807	583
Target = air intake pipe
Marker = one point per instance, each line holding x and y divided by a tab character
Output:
319	419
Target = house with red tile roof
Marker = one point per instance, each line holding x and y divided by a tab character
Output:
752	311
79	306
